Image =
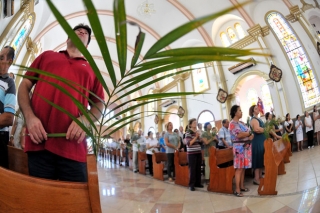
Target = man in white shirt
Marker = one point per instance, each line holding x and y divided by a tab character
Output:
135	140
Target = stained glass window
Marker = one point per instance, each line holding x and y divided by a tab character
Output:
224	39
239	30
22	34
266	98
233	37
299	60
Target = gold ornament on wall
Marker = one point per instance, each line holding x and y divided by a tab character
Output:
222	96
156	119
180	112
275	73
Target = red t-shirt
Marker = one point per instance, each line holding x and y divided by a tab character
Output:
77	70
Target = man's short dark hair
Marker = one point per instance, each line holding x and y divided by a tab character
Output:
86	27
11	52
224	121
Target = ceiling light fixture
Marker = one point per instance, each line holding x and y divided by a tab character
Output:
146	9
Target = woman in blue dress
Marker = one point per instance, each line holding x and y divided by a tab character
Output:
257	143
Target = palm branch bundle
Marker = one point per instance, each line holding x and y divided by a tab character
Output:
155	62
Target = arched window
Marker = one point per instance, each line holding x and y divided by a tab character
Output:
206	116
252	97
297	55
153	131
233	37
150	106
22	34
239	30
266	98
224	39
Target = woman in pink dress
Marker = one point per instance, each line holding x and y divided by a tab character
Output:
240	137
316	118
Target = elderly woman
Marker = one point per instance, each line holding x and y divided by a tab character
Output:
309	128
240	137
209	141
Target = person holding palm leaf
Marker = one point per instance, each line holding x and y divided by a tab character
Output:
62	158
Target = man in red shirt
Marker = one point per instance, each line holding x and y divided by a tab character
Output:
61	158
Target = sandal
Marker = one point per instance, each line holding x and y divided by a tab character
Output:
238	194
245	190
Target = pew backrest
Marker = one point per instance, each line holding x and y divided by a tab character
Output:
183	158
22	193
160	157
223	156
18	160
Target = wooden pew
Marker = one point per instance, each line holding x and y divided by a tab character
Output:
130	160
158	160
181	168
118	156
114	156
220	178
283	150
18	160
274	153
22	193
142	159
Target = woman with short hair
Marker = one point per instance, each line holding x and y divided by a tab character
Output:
309	129
172	141
299	133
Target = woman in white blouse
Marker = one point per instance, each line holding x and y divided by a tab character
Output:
309	129
299	133
152	146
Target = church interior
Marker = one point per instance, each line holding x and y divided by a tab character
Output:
285	79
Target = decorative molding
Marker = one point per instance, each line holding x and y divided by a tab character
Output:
317	4
306	6
295	14
254	32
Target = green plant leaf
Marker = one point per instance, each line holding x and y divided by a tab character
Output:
148	83
74	100
98	32
78	43
119	14
82	126
138	47
184	29
220	51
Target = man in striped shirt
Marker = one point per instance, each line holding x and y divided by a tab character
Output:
7	102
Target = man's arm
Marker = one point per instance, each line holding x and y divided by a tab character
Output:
34	125
75	132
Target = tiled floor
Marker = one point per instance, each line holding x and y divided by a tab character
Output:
121	190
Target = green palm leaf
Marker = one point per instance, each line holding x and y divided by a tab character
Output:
78	43
98	32
119	14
